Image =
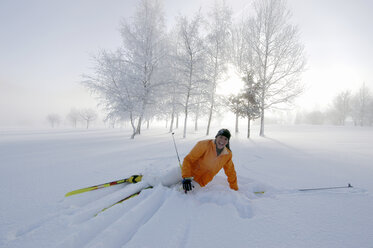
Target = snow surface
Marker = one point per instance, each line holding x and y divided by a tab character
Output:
39	166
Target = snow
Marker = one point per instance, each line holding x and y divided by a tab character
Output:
39	166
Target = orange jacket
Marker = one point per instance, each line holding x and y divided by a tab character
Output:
202	163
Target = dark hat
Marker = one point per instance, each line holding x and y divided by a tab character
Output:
224	132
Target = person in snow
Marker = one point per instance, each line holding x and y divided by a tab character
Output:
206	159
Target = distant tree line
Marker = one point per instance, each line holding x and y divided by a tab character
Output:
347	106
85	116
173	74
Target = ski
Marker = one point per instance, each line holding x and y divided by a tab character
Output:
124	199
131	179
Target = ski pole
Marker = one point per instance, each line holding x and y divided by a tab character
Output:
178	158
348	186
326	188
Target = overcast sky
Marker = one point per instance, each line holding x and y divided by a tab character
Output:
45	47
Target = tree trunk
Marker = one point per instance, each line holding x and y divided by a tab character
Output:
209	121
211	107
172	121
133	126
236	129
196	121
185	121
138	129
186	115
248	127
261	133
188	95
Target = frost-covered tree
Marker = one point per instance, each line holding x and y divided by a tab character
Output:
315	117
218	36
278	56
88	115
242	58
241	51
115	91
144	48
250	99
130	81
360	105
246	103
54	119
174	98
341	107
173	105
190	58
370	113
199	104
176	109
73	117
235	103
112	121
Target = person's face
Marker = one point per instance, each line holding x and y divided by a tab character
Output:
221	141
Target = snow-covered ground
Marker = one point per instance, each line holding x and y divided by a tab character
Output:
39	166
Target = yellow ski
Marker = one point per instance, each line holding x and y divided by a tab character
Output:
131	179
124	199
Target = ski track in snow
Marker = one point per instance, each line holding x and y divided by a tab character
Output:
77	226
125	224
122	230
129	224
212	216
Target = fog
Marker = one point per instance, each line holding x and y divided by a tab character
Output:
46	46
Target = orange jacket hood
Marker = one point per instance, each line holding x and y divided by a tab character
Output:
202	163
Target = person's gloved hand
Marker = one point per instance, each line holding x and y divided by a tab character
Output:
187	184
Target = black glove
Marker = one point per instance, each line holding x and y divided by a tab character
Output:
187	184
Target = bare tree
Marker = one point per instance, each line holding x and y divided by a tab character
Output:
54	120
173	100
128	81
250	99
234	103
370	113
218	28
144	48
360	105
88	115
241	50
176	107
173	105
278	56
199	103
246	104
190	58
341	107
112	84
315	117
112	120
73	116
242	57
